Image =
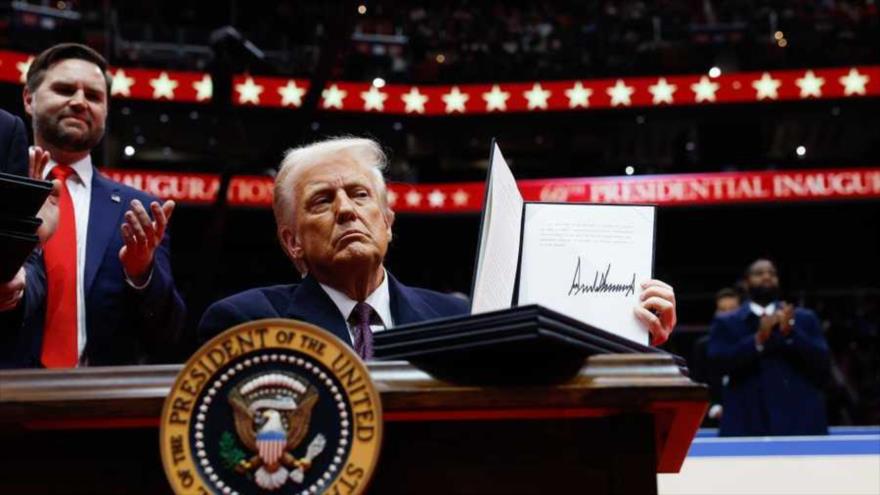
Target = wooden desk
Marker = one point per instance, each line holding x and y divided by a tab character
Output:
622	419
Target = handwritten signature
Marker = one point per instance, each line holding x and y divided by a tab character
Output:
600	283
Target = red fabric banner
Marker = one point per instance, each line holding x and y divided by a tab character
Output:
491	97
467	197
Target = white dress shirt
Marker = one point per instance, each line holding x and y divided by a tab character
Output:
760	311
379	300
80	186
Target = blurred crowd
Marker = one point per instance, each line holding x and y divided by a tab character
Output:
467	40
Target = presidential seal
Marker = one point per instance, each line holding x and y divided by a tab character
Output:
272	406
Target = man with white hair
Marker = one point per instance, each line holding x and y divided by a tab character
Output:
334	223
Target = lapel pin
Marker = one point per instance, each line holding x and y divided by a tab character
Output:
115	198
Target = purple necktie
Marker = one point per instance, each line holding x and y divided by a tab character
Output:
363	335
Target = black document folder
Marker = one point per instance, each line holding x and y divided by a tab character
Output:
20	200
21	196
525	344
14	250
23	225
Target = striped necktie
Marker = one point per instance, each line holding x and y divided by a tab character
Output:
360	318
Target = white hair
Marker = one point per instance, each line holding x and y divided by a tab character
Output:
364	151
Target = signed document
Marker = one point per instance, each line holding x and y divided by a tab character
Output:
587	261
583	260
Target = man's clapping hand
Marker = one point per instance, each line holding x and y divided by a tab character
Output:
37	161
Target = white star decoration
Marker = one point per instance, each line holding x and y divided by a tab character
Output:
460	198
392	197
455	100
333	97
767	87
620	93
204	88
291	94
578	96
704	90
533	96
414	101
496	99
163	86
436	199
662	91
121	84
374	99
537	97
249	92
854	83
810	85
23	67
413	198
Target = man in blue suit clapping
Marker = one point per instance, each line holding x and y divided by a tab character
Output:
100	290
773	359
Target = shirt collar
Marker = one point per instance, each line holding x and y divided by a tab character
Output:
760	311
83	169
379	300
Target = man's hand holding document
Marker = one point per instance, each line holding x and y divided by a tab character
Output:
589	261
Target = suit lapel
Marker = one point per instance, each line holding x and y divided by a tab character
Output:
311	304
104	214
406	306
750	320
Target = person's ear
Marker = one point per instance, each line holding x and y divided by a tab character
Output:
28	99
389	220
291	244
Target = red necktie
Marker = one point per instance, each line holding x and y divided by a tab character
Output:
60	348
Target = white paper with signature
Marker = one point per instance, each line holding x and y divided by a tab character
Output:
588	261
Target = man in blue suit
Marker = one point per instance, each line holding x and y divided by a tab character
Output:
100	291
773	359
334	223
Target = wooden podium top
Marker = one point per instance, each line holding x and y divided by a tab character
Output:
132	396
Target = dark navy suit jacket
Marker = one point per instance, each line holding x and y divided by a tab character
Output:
308	302
13	145
123	325
777	391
